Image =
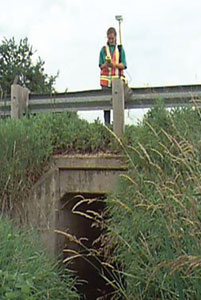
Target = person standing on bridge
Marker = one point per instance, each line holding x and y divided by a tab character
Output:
112	62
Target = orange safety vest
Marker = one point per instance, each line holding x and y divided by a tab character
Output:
108	74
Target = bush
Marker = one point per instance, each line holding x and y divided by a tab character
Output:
155	212
26	272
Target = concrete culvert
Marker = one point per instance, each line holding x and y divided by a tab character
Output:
81	219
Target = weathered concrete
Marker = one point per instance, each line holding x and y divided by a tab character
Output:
19	101
118	107
56	193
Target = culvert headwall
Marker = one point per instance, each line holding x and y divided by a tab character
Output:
72	181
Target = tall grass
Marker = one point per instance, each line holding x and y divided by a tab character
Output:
155	213
26	272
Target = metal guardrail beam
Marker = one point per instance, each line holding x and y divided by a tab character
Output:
173	96
102	100
77	101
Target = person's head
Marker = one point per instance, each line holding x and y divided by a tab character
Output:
111	36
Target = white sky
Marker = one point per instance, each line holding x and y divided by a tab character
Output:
162	38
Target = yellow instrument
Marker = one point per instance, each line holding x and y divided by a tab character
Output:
108	59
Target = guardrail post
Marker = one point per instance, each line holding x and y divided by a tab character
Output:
19	100
118	106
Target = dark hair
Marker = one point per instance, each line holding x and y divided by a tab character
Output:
111	30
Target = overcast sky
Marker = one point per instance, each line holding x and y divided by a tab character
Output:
162	38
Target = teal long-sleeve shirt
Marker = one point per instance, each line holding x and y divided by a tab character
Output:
112	47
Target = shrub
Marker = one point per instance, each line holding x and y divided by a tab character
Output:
26	272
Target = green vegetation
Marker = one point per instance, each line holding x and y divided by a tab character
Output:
154	216
155	213
26	273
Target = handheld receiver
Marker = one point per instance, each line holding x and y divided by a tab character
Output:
108	59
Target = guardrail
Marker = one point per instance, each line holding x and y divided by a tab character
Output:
129	98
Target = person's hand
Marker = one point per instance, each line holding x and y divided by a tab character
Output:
106	65
113	64
109	64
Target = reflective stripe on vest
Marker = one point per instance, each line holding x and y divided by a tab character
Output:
108	74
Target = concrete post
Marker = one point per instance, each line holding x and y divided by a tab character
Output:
19	101
118	106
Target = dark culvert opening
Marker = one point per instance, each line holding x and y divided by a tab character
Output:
83	253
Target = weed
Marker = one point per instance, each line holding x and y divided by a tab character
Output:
155	212
26	272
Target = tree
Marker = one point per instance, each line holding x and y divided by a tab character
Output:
17	60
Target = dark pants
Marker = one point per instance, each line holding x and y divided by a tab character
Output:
107	117
106	112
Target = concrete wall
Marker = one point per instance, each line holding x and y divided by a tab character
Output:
56	192
42	207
